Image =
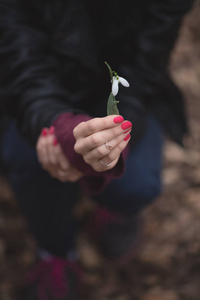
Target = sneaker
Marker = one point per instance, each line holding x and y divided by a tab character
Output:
117	237
54	279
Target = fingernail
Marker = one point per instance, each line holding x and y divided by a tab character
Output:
126	125
44	132
55	142
127	137
118	120
51	130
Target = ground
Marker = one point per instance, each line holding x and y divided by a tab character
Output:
168	264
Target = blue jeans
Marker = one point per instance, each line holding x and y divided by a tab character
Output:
48	203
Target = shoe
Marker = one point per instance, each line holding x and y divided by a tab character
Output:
54	279
117	237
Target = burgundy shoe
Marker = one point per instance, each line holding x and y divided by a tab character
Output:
54	279
117	237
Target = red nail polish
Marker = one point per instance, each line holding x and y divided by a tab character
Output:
51	130
118	120
55	142
126	125
127	137
44	132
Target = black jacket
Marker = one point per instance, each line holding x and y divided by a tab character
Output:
52	57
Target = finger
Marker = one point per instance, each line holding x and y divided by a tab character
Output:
109	161
74	176
58	165
41	147
115	153
68	176
53	160
97	139
104	150
103	165
63	162
96	124
64	170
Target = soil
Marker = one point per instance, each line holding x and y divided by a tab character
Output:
167	266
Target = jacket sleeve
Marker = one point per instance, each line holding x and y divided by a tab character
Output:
152	86
30	87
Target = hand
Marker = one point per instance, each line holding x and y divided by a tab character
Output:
52	158
101	140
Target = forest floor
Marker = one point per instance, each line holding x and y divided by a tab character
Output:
168	264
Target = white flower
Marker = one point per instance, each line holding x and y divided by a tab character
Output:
115	84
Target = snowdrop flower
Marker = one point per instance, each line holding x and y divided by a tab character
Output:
112	102
115	83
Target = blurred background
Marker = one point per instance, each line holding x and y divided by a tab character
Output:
168	264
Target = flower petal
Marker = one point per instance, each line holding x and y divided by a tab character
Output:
115	86
124	82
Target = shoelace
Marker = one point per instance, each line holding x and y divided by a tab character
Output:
50	275
100	221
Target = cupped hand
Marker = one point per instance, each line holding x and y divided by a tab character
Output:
52	158
101	140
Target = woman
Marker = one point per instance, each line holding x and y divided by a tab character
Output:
59	143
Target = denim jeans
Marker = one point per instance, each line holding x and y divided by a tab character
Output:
48	203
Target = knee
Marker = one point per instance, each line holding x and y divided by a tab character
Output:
143	191
139	196
147	189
